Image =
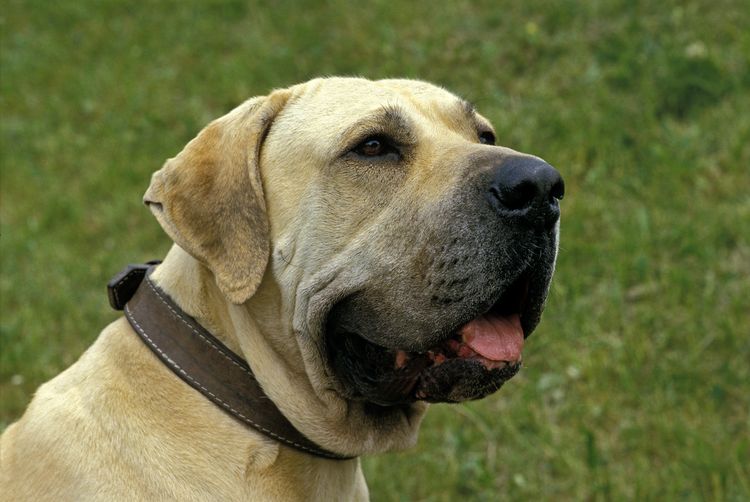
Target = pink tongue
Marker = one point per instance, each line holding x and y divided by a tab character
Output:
494	337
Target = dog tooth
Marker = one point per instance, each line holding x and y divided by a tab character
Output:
401	359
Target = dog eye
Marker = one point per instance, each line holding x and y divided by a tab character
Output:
376	146
487	138
371	147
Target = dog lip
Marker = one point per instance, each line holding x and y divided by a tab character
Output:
390	375
460	379
515	299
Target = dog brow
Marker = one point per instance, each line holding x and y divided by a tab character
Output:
389	119
468	108
394	117
470	112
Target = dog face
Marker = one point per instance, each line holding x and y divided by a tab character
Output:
376	235
412	255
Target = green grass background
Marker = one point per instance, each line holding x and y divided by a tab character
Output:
636	384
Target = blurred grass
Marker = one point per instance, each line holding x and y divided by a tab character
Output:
637	383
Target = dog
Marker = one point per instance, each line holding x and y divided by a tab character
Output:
364	245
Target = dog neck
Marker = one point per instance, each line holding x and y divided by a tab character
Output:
260	331
191	286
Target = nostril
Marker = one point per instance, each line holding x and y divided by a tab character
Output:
518	196
557	191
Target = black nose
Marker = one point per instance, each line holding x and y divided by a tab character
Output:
527	189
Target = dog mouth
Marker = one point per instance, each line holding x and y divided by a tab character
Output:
474	360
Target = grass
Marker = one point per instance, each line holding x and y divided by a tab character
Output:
637	383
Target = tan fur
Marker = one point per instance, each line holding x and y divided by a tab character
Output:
248	263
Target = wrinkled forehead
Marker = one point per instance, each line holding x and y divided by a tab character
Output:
328	108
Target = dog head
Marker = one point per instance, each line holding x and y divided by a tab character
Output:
409	256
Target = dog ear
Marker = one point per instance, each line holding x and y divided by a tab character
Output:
209	198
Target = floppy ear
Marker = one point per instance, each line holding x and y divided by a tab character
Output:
209	198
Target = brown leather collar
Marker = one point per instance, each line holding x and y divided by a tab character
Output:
201	360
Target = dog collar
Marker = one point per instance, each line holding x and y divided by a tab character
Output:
200	359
